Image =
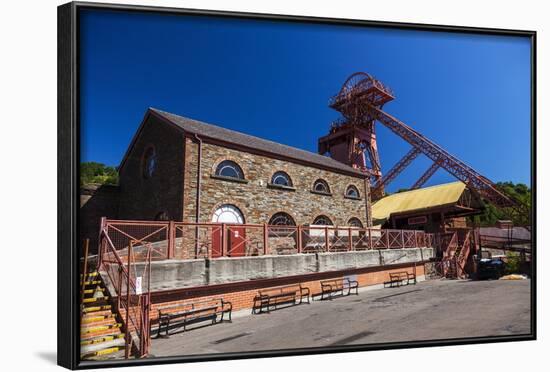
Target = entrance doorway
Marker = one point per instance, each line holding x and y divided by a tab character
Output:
236	236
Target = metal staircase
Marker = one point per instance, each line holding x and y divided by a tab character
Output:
457	248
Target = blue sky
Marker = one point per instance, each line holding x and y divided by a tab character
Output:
468	93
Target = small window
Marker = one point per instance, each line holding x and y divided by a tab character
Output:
281	179
352	192
355	222
230	169
282	219
322	220
162	216
321	186
149	162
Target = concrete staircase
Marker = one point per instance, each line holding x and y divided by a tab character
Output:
101	337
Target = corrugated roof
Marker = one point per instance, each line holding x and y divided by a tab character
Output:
252	142
517	232
428	197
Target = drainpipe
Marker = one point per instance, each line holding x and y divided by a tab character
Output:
368	203
198	201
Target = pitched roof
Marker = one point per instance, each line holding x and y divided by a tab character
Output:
209	131
428	197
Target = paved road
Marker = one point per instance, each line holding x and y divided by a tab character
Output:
430	310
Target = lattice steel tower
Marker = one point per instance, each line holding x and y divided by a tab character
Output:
352	140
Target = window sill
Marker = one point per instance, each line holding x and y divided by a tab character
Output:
228	179
280	187
320	193
352	197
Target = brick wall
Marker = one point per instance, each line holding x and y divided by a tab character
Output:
244	298
144	198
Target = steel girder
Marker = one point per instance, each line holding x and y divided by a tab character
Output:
475	181
378	189
426	176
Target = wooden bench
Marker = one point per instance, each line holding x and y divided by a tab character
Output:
272	297
192	312
334	287
400	278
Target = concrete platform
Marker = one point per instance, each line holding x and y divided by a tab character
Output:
174	274
430	310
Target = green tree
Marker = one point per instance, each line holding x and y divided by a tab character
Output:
93	172
519	191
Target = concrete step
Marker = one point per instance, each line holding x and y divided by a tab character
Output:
93	308
98	334
96	317
108	354
94	290
93	328
98	322
101	339
93	282
99	346
95	314
95	299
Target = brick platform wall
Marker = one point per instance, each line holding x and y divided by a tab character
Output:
244	299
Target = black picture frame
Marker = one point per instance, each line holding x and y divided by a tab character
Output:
68	182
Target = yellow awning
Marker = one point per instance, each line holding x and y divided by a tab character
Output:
428	197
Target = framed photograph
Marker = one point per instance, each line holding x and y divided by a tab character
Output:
237	185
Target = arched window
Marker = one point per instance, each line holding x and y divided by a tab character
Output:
282	219
352	192
355	222
321	186
322	220
228	213
162	216
149	162
230	169
280	178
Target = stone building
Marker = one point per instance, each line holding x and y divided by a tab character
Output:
177	169
184	170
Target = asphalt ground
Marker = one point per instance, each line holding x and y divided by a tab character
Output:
430	310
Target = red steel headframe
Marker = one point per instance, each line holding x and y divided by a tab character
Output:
360	101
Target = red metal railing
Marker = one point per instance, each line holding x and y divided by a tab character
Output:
127	249
154	240
129	281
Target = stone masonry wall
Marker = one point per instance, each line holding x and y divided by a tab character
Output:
96	201
256	200
144	198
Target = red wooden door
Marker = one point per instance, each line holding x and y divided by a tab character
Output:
217	241
237	241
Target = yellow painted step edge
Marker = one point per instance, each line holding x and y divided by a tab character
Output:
85	330
105	351
94	273
94	299
91	319
91	309
88	291
99	340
